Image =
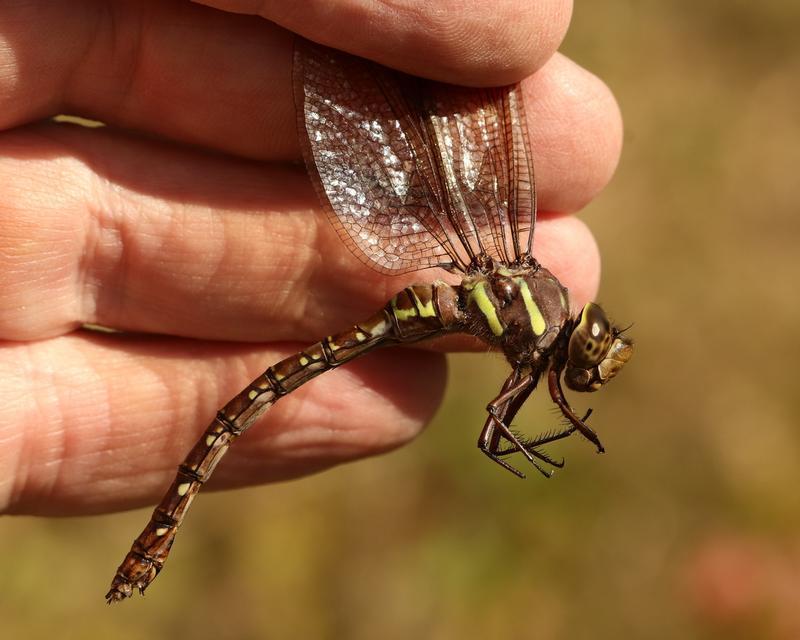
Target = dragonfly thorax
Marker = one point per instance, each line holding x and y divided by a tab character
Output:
522	311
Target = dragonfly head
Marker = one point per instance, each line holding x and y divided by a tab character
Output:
597	351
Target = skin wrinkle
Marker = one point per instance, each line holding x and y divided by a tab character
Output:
28	239
133	242
73	454
307	277
169	392
219	259
134	464
178	404
75	69
70	444
88	287
106	220
41	377
296	271
116	39
92	382
104	295
278	292
18	478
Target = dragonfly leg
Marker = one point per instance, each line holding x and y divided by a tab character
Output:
533	444
557	394
501	411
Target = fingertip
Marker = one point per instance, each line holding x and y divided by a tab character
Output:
566	246
576	124
478	43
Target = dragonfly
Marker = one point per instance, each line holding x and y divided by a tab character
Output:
413	174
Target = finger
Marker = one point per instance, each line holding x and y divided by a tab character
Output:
576	133
172	68
203	247
95	423
215	79
477	42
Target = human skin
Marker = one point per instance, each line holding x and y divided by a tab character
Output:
189	222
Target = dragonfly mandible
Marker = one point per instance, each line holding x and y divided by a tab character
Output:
414	174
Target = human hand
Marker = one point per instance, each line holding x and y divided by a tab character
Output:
189	221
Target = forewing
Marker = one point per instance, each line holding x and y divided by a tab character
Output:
483	142
413	173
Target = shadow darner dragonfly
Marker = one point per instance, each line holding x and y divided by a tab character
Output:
416	174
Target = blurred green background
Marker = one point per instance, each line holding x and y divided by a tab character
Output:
687	528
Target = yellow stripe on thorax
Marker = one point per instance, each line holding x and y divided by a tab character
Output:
537	319
485	306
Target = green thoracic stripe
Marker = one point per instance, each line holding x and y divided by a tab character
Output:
481	298
537	319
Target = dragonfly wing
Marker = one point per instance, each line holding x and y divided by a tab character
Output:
413	173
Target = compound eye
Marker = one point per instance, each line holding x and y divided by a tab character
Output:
591	338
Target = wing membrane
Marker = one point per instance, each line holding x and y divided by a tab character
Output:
414	173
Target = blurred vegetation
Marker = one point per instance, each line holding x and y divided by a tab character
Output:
686	528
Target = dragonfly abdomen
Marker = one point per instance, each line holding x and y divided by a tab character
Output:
417	312
421	310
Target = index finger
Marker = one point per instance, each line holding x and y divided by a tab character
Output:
217	80
471	42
